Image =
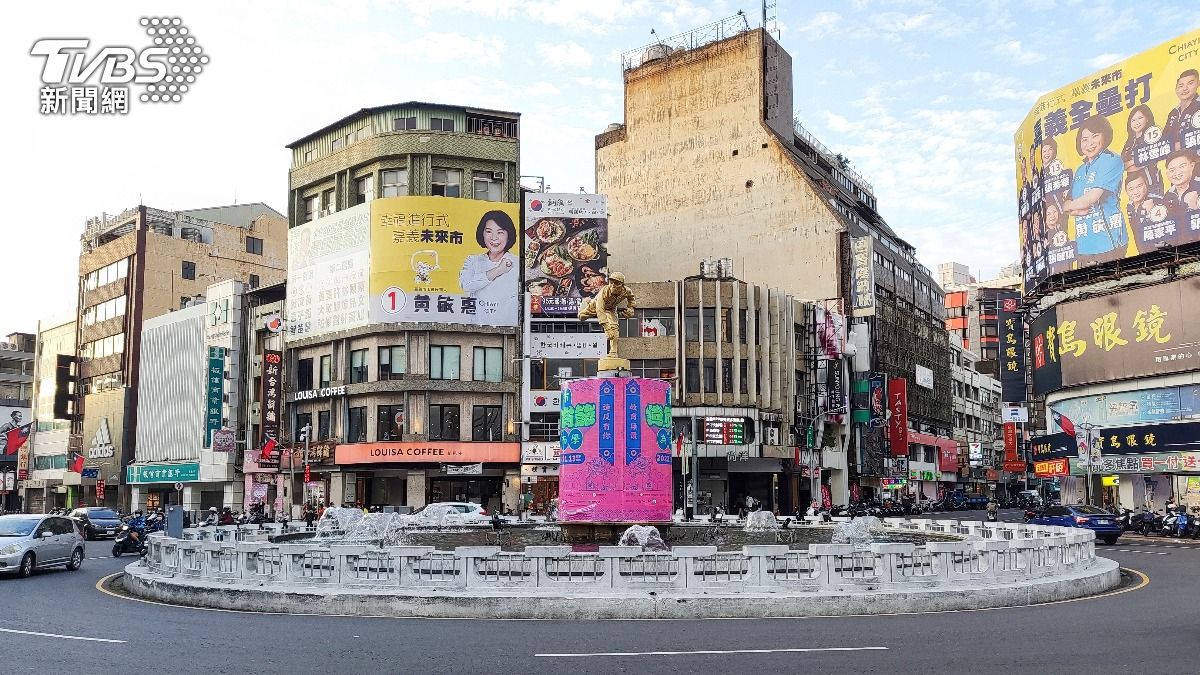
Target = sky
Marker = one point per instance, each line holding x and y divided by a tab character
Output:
922	96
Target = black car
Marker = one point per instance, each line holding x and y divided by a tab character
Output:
98	522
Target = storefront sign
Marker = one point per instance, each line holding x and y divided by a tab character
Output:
216	389
539	471
1015	466
1015	413
269	396
892	483
100	490
1010	442
924	376
324	392
878	404
724	430
947	457
1159	462
163	473
1152	438
224	440
1012	346
898	423
1053	446
862	280
540	452
432	451
463	469
568	345
1110	481
545	400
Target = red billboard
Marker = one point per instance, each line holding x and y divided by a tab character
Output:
948	457
1051	468
1010	442
898	422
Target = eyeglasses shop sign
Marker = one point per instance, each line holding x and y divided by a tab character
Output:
568	345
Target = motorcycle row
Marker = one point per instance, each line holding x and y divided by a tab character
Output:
1174	522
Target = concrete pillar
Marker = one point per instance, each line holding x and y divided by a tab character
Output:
512	490
191	498
336	488
231	494
416	489
135	498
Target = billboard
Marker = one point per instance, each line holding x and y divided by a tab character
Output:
898	422
1012	346
1160	404
566	250
1137	333
445	260
862	276
1106	166
328	262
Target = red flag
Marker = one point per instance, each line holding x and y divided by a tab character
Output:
679	445
76	463
14	438
268	450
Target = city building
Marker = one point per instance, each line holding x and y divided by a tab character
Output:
264	480
1111	290
977	424
971	312
735	176
49	484
952	274
135	266
405	361
16	411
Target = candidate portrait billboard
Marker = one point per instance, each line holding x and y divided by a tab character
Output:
566	250
444	260
1147	331
1107	166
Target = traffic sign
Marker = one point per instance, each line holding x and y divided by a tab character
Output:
179	487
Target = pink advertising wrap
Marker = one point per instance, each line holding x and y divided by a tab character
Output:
615	465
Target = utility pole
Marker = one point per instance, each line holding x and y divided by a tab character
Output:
307	431
695	501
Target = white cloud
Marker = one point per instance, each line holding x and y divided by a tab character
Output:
821	23
1104	60
1013	50
437	47
568	54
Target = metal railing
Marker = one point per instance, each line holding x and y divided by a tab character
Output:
692	39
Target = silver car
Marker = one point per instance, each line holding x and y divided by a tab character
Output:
29	542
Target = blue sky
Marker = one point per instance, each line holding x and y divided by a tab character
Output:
922	96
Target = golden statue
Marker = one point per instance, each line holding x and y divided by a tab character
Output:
604	308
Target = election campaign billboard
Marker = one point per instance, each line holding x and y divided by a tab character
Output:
444	260
1107	166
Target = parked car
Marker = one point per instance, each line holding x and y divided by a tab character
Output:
29	542
1103	523
448	513
98	522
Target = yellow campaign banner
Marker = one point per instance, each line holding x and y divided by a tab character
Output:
1107	165
446	260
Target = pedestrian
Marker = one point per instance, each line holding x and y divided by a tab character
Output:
310	515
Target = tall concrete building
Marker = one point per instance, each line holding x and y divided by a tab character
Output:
405	360
977	423
49	484
708	161
16	394
135	266
953	274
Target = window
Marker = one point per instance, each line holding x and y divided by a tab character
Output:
328	202
692	376
662	369
107	346
107	274
322	425
447	182
356	425
404	123
727	376
443	422
487	187
650	322
308	155
395	182
326	370
691	326
441	124
104	311
744	377
189	270
742	327
393	361
311	204
364	189
543	426
254	281
488	364
254	245
302	420
336	144
485	423
358	366
304	374
443	362
391	423
558	371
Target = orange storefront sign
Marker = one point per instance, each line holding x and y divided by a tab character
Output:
433	451
1052	467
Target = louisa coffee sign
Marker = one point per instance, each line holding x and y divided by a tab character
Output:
325	392
453	452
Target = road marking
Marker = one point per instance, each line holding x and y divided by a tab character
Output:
1127	550
61	637
721	651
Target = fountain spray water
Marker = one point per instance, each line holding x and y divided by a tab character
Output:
646	536
761	521
859	532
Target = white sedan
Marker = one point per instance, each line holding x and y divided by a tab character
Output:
449	513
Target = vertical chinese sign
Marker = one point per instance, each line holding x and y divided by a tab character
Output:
898	422
272	390
1012	455
1012	346
216	393
862	281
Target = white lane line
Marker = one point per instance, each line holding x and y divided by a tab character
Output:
61	637
721	651
1126	550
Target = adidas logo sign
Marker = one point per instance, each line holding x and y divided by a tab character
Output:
102	442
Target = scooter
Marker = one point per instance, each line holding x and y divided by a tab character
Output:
129	540
993	516
1184	524
1167	528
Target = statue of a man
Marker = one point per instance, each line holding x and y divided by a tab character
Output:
604	307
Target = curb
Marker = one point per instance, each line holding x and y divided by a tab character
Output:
1099	578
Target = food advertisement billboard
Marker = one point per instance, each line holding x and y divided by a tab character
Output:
1142	332
566	250
1107	167
328	263
444	260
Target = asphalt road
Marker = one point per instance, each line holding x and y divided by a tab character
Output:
1148	629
